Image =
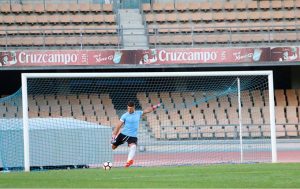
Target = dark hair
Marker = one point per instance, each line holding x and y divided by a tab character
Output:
130	104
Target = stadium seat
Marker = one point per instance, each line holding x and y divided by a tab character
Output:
183	132
83	8
39	8
51	8
16	8
44	111
219	132
280	115
195	132
66	110
205	6
8	19
288	5
104	121
63	8
280	97
256	115
157	7
291	115
31	19
291	97
88	110
280	130
291	130
240	5
181	7
264	5
206	132
114	120
169	7
194	6
246	99
276	5
297	4
252	5
146	7
107	8
232	115
95	8
92	119
5	8
257	98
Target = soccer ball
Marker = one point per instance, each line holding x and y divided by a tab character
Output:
107	165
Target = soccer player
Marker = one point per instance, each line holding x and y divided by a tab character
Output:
130	120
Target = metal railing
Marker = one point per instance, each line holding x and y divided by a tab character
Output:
194	36
60	38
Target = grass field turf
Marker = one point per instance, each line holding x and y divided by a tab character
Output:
212	176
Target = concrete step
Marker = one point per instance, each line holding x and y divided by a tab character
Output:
134	32
133	19
135	47
129	11
130	15
132	25
132	22
135	39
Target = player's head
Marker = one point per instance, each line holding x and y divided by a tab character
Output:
130	107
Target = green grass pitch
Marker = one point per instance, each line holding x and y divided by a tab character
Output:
209	176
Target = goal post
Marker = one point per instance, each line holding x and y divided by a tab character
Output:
206	117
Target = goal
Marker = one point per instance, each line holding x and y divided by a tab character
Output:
65	120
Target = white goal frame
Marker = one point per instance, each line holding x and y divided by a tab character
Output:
25	76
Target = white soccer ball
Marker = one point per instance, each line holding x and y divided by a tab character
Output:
107	165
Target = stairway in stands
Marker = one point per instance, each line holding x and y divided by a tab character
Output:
134	32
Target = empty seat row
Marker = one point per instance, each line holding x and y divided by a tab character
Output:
106	40
221	6
257	98
58	30
55	8
217	132
191	40
225	116
266	28
220	17
57	19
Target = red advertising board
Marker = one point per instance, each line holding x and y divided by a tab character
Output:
151	56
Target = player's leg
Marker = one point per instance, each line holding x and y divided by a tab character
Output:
132	143
118	141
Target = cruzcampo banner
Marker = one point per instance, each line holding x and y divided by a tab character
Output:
150	56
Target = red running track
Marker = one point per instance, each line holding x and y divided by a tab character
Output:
158	159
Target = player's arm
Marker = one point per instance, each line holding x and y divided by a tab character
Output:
151	108
117	128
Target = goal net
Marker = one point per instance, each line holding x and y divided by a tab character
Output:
205	118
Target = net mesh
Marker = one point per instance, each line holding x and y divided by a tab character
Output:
71	120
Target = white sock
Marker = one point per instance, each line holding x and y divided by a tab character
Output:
131	153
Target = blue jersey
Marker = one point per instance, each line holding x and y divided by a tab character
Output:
131	123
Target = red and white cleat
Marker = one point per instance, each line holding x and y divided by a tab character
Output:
129	163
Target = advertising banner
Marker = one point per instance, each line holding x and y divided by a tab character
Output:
150	56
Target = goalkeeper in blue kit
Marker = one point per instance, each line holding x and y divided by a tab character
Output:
130	120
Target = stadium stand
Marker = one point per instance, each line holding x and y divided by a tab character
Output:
64	25
86	25
221	22
91	25
175	122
